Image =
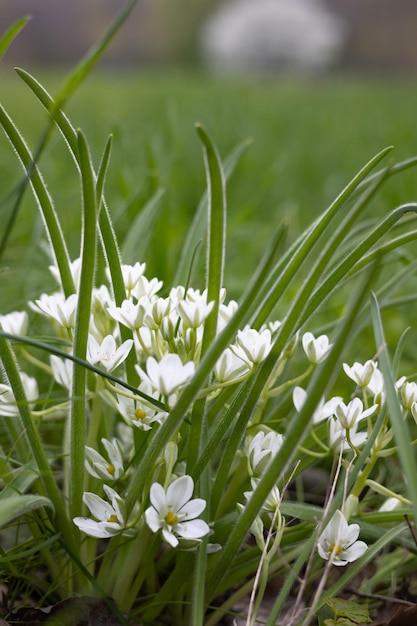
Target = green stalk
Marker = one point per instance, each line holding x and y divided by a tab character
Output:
215	268
79	382
216	245
31	435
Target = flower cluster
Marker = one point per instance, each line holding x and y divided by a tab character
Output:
165	343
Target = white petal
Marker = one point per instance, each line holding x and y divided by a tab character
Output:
195	529
97	506
158	498
170	537
95	529
192	509
355	551
179	492
153	519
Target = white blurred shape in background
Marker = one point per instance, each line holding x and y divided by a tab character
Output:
294	35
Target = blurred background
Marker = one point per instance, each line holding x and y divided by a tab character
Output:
314	87
360	35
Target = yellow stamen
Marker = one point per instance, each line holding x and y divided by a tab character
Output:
140	414
336	549
171	519
111	469
113	518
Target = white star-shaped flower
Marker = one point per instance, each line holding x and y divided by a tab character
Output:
57	308
110	515
110	468
316	349
174	513
107	354
351	414
338	542
168	375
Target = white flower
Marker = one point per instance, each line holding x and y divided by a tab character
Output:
408	394
137	413
131	275
168	375
323	409
376	384
129	314
262	449
8	405
252	346
111	516
272	501
338	542
157	312
361	374
146	288
174	513
230	367
100	467
193	314
377	388
226	312
75	269
350	415
390	504
62	370
316	349
15	323
338	438
106	353
57	308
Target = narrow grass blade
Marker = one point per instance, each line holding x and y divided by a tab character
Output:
357	255
7	38
216	237
45	204
78	402
198	227
93	55
288	266
108	236
35	446
102	171
400	427
52	349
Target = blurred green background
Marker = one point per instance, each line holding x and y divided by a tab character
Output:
309	132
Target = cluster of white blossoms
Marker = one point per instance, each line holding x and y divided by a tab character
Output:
166	337
166	333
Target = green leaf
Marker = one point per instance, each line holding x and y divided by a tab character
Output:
356	613
11	34
17	505
198	227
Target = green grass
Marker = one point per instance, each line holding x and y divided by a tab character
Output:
309	138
